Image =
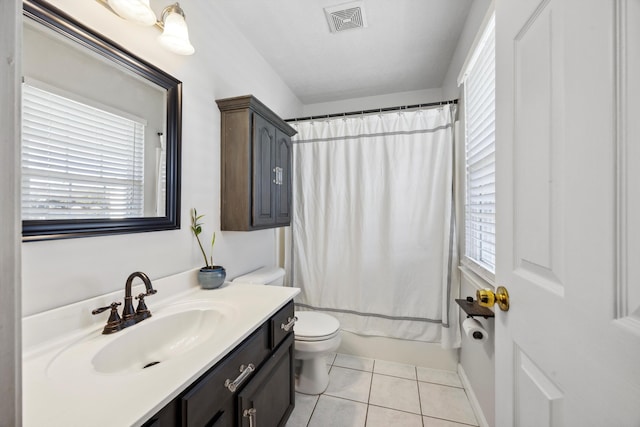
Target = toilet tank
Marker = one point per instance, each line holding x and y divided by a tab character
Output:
263	276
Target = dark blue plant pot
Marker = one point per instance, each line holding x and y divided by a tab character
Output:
211	277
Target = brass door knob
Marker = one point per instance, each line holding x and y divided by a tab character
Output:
487	298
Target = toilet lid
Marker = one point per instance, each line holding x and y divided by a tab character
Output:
313	325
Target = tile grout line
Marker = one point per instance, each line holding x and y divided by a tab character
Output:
447	419
366	417
349	400
443	385
451	421
318	399
404	411
370	391
419	397
313	410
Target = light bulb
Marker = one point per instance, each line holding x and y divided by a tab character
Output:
137	11
175	36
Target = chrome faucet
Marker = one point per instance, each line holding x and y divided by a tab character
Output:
129	316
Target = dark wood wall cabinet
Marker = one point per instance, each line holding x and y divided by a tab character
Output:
253	386
256	165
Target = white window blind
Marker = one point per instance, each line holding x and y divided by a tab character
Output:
79	161
480	203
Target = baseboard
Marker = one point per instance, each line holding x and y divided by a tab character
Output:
426	355
475	405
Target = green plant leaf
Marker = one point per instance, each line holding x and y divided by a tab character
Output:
196	228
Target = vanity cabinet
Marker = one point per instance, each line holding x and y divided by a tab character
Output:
260	403
252	386
256	163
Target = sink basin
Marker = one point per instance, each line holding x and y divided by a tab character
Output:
151	342
165	336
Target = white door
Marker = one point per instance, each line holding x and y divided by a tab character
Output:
568	158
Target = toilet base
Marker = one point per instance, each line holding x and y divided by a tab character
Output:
313	377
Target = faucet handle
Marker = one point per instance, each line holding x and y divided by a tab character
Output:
141	303
114	323
142	312
112	306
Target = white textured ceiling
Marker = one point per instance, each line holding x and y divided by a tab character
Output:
407	45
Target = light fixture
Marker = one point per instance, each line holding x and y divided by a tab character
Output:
137	11
175	34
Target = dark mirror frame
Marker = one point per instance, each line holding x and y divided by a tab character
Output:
58	21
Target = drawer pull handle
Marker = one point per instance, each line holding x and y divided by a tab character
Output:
288	326
245	371
251	414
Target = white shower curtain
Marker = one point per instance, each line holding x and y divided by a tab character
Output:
372	239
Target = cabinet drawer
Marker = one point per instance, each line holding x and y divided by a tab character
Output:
209	400
278	324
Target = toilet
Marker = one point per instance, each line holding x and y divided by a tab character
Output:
316	335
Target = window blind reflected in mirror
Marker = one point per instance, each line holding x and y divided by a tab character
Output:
79	161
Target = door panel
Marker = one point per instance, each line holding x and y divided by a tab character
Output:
283	189
627	67
568	212
536	150
539	400
263	199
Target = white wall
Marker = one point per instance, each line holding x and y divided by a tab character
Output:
477	358
10	232
59	272
472	23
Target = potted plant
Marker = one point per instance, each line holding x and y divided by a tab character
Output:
210	276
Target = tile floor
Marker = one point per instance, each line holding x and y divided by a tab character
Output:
375	393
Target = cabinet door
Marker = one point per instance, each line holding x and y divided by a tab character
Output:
264	134
209	402
268	399
283	162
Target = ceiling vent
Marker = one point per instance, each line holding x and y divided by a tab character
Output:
346	16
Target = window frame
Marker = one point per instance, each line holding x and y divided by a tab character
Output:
487	27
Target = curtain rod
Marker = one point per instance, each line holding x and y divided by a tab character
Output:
375	110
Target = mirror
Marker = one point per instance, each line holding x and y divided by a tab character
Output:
101	134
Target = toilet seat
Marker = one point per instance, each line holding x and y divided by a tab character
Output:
314	326
320	338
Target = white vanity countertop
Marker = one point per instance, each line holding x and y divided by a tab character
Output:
59	390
